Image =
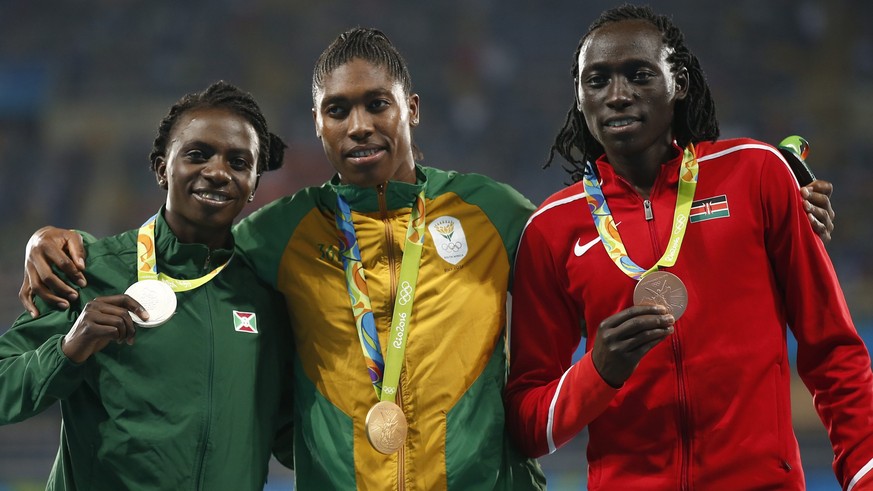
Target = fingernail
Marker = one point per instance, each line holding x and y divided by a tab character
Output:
81	263
81	282
32	314
63	305
804	192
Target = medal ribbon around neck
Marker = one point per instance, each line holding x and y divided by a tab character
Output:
609	232
146	262
384	376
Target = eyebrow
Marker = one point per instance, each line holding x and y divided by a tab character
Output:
334	99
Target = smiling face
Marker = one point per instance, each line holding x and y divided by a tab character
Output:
211	170
627	92
364	119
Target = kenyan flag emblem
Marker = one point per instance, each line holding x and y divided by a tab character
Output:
709	209
245	322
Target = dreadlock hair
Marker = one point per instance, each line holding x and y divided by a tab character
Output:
370	45
694	116
271	148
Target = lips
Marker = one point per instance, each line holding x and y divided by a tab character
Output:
619	123
212	197
363	155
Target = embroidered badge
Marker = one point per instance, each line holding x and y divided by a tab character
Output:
709	209
449	238
245	322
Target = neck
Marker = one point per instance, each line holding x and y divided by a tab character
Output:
641	169
406	173
188	233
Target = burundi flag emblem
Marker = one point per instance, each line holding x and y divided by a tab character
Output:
245	322
709	209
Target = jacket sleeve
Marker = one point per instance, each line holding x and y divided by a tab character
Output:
34	372
831	358
548	398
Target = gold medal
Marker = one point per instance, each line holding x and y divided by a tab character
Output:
386	427
662	288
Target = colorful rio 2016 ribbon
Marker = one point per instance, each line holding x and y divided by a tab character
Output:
146	261
608	231
385	377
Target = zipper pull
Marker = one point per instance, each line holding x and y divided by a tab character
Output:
208	258
647	205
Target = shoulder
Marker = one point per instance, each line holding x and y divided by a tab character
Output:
470	186
120	247
736	150
278	219
750	157
568	200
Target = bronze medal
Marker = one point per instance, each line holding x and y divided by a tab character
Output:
662	288
386	427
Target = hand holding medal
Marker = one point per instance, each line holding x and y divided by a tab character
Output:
662	288
103	320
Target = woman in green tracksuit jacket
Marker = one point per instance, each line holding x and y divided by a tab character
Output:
195	402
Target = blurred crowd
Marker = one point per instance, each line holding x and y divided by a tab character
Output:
84	84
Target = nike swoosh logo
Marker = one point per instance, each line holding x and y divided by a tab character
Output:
580	249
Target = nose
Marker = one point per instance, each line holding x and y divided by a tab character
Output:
360	124
217	170
620	94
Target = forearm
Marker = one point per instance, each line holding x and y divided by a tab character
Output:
544	418
34	380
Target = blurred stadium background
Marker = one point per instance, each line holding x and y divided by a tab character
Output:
84	84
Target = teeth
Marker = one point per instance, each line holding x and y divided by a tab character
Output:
363	153
619	123
213	196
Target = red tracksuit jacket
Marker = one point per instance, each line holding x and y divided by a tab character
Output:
709	407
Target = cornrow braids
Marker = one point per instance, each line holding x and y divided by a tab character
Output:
368	44
694	117
271	148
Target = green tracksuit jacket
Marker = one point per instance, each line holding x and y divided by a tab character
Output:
194	404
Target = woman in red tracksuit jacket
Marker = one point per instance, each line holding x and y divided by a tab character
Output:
693	391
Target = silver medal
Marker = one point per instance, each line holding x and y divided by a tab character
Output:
157	298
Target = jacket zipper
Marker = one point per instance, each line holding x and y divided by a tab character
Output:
683	412
684	418
389	238
205	436
392	291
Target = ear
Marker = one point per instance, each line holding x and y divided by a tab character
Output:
576	93
161	172
682	82
413	101
315	122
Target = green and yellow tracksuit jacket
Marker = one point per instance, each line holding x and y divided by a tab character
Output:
454	368
193	404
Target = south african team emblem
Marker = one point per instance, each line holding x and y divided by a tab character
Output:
449	238
245	322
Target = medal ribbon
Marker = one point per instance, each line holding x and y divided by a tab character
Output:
146	262
609	232
385	377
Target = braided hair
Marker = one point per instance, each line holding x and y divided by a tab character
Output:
694	117
370	45
271	148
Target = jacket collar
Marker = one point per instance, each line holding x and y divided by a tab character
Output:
397	194
181	260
